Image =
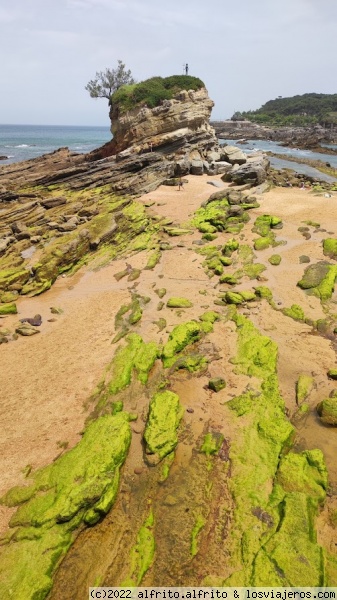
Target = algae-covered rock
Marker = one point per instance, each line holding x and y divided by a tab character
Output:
330	247
332	373
295	312
264	292
239	297
212	443
198	526
304	385
230	247
320	279
191	362
8	309
179	338
327	410
262	243
210	316
175	302
136	355
81	485
142	553
264	223
275	259
216	384
160	434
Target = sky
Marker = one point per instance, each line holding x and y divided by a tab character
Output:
247	52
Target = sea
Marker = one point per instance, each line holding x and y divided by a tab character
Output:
22	142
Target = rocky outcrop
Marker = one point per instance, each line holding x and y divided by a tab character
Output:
304	137
169	127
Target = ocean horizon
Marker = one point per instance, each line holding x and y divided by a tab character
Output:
23	142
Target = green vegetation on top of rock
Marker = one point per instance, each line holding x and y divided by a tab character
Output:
199	524
212	443
319	279
327	410
8	309
330	248
136	355
264	225
153	91
79	486
165	413
295	312
181	336
216	384
275	259
142	553
276	497
304	386
175	302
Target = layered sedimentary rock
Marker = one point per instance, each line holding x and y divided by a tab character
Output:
169	127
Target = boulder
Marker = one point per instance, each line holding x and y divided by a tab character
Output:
253	173
233	155
327	410
52	202
197	167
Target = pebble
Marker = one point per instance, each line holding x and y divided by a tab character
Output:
190	410
137	428
138	471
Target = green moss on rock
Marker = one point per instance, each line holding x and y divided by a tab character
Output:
294	312
304	385
81	485
319	279
330	247
165	413
181	336
176	302
142	554
275	259
212	443
8	309
136	355
198	526
327	410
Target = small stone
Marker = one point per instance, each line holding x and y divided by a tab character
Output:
190	410
216	384
56	311
304	259
137	428
138	471
332	374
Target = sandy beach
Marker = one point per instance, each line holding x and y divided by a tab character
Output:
46	380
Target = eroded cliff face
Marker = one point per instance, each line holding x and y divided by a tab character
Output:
170	127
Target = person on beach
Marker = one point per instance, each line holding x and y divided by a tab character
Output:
180	184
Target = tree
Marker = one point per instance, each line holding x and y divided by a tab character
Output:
108	81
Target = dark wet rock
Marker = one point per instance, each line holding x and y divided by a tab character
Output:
304	259
35	321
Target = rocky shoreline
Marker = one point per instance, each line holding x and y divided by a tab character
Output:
310	138
163	427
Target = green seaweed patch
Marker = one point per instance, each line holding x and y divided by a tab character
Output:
330	247
181	336
254	270
142	554
198	526
8	309
80	486
230	247
241	297
327	410
294	312
191	362
165	413
273	541
136	355
176	302
165	467
319	279
304	385
212	443
210	316
264	292
275	259
264	223
263	243
153	260
212	217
